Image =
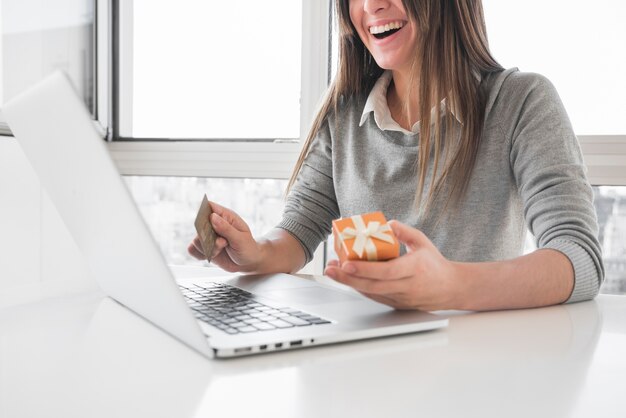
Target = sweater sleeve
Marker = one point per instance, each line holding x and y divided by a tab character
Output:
311	204
551	178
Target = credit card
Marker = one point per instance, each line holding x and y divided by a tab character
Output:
205	230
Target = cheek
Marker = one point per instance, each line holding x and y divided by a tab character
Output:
356	15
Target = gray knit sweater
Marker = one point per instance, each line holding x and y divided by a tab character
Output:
529	173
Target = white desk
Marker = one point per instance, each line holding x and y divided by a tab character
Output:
85	356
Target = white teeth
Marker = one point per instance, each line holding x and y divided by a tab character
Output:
374	30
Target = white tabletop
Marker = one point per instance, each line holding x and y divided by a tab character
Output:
86	356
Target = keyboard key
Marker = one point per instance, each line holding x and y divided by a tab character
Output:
295	321
289	310
250	311
307	317
319	321
264	326
247	329
235	310
281	324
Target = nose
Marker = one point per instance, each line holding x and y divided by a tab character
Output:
374	6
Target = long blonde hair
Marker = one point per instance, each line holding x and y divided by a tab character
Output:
452	57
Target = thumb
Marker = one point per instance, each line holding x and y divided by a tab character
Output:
411	237
230	216
226	230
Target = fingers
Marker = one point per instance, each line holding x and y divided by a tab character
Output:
195	249
223	260
367	285
230	216
220	244
232	235
332	263
378	270
413	238
386	301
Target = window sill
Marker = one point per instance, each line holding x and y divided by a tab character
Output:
205	159
605	158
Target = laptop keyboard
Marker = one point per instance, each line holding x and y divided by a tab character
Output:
236	311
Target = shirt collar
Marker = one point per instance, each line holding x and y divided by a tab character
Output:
377	103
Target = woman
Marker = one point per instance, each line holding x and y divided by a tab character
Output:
424	125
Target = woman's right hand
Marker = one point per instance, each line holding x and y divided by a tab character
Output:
235	249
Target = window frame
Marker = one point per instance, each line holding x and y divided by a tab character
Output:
212	157
605	159
5	130
230	158
604	155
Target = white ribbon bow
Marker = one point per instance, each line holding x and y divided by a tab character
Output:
364	235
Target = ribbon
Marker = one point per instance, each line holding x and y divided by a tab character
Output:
365	235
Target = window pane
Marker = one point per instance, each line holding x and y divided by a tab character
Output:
39	37
208	69
610	205
579	47
170	204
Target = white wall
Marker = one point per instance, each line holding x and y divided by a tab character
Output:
35	246
20	218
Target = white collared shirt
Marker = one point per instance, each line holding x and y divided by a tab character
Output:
377	103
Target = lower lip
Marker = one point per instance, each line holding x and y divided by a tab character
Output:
388	39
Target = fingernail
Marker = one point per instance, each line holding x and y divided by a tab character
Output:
349	268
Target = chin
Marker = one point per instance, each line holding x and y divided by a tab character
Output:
389	63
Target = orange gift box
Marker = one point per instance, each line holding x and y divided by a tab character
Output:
365	237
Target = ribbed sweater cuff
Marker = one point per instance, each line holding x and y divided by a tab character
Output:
307	238
586	283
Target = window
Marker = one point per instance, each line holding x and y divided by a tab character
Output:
169	206
610	205
39	37
213	70
568	41
263	140
194	69
181	71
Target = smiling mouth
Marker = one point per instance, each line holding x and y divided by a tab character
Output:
384	31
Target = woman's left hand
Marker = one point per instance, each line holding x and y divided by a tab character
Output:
420	279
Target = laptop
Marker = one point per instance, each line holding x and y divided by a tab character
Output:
217	316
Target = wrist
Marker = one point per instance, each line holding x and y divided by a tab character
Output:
259	264
276	252
460	286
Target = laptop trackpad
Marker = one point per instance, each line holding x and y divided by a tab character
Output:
308	295
287	288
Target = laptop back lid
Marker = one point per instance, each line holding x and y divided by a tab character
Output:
57	135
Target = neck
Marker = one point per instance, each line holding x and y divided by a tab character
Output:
403	99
